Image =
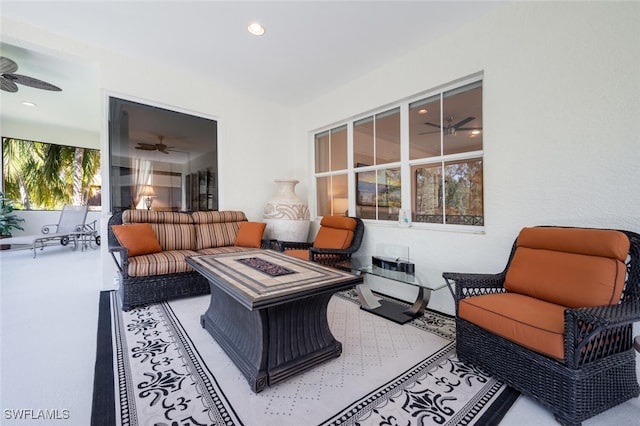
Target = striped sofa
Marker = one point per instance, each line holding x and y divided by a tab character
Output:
158	271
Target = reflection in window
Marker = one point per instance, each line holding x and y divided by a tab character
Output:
441	126
456	199
45	176
332	195
376	139
331	165
167	153
443	137
378	194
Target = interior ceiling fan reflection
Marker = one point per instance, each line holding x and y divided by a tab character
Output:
8	78
155	146
450	128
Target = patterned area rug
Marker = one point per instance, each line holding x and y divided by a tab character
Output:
157	366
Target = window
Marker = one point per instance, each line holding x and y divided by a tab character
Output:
445	152
435	141
45	176
331	171
168	154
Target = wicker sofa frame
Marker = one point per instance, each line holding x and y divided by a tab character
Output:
599	368
329	257
140	291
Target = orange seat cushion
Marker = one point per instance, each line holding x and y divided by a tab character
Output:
569	267
299	253
138	238
250	234
529	322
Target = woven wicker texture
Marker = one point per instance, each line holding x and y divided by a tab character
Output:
598	371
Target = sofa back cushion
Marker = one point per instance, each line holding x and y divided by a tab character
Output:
572	267
217	228
336	232
174	230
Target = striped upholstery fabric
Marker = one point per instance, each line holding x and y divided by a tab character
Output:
174	230
217	228
210	235
175	236
165	262
218	216
149	216
219	250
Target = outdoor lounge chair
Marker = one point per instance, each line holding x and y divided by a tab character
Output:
71	227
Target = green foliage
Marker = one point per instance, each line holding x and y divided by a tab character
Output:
46	176
8	219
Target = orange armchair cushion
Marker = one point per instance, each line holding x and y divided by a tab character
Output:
339	222
331	238
527	321
250	234
570	267
336	232
138	238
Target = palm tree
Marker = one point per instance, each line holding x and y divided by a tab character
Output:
48	175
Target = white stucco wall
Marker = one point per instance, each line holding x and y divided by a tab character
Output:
561	125
254	135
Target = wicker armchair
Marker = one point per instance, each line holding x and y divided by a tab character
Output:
597	371
325	256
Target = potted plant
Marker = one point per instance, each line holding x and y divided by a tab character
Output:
8	220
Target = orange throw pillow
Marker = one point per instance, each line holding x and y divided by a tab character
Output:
138	238
250	234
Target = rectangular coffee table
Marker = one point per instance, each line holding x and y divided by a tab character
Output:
268	312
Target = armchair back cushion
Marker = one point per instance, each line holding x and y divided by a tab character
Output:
568	266
336	232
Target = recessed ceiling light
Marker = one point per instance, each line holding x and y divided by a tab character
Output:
29	104
423	111
255	28
475	132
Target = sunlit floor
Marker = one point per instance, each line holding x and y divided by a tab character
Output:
48	319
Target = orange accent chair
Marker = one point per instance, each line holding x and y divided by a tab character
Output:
557	323
337	239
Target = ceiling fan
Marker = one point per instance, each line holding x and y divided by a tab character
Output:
8	78
450	128
155	146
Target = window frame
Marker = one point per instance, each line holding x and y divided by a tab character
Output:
405	164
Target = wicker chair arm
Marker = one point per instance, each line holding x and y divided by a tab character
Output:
597	332
122	263
292	245
468	285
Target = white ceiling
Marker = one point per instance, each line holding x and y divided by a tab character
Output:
310	47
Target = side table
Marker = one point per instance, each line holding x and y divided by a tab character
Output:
425	280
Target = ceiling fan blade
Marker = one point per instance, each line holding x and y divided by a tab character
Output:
463	122
8	85
146	146
7	66
469	128
434	125
429	133
34	82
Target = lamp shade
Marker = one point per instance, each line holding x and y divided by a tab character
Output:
147	191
